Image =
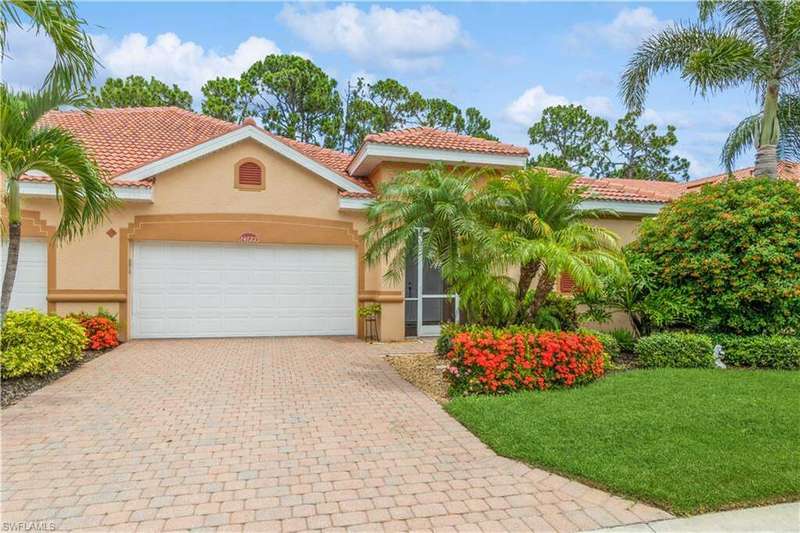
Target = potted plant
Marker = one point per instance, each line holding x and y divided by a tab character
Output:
369	313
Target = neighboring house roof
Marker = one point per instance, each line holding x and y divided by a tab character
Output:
629	190
423	137
787	170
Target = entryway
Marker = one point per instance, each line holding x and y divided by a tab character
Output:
424	284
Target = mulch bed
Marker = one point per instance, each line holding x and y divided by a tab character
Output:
424	370
14	389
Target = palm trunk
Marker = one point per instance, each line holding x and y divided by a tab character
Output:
527	273
543	288
14	237
766	151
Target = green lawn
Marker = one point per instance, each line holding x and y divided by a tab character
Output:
689	441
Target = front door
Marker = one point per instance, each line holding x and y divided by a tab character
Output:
428	301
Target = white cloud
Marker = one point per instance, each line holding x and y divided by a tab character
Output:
173	60
678	119
29	57
528	108
627	30
405	39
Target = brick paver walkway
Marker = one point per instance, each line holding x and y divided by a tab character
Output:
268	434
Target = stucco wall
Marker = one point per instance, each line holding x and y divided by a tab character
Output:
93	270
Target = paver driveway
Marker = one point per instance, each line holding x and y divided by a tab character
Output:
268	434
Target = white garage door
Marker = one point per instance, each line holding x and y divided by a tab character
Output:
231	290
30	283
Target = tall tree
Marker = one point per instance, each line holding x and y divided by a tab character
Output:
734	43
389	105
641	152
83	195
576	141
570	136
291	95
58	19
136	91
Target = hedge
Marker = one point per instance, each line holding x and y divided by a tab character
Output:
676	350
761	351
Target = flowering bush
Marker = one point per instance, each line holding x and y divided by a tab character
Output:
100	333
501	361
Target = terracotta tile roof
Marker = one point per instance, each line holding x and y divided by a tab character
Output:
787	170
627	190
123	139
126	138
332	159
423	137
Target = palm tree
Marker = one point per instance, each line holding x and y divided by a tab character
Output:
551	234
735	43
75	57
527	220
83	195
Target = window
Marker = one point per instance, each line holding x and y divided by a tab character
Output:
249	175
567	284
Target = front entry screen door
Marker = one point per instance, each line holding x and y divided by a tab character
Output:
424	284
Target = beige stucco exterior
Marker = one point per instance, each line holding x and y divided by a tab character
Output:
200	201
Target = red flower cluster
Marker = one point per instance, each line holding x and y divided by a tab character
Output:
100	333
499	362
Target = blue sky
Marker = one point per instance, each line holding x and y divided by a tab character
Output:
510	60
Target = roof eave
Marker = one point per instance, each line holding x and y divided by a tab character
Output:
371	154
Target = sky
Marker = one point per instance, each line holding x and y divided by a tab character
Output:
510	60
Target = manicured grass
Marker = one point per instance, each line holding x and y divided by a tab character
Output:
689	441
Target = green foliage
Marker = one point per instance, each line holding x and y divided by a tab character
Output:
389	105
675	350
625	339
781	352
751	44
638	292
35	344
84	196
571	136
369	310
609	342
136	91
540	229
102	312
558	313
732	250
291	95
75	60
576	141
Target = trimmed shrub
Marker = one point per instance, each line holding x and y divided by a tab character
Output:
558	312
625	339
733	251
675	350
35	344
767	351
610	344
502	361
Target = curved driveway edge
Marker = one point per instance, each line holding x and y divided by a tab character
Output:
269	434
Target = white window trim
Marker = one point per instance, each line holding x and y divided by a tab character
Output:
245	132
377	152
48	190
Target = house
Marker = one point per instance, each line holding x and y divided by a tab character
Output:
229	230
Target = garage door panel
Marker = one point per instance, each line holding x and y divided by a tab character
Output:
210	290
30	282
